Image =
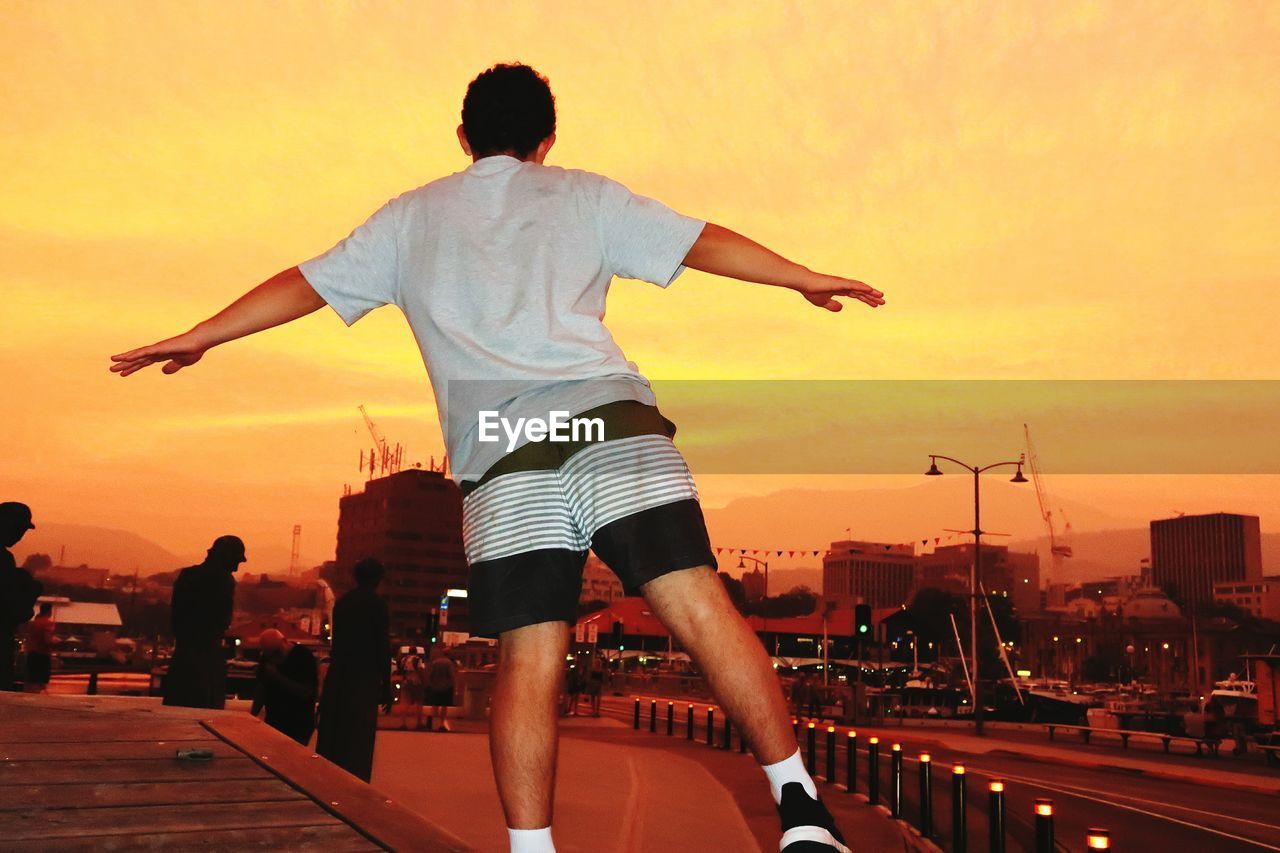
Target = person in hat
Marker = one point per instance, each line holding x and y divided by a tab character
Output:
18	589
201	606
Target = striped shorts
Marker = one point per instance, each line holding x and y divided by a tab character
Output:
529	522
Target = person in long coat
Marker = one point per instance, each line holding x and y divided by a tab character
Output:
359	676
203	599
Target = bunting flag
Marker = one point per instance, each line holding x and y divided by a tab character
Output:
826	552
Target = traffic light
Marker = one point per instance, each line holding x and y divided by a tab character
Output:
433	624
617	634
862	622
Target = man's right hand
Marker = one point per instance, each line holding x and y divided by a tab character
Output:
181	351
284	297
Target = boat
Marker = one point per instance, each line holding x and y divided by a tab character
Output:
1237	697
1054	701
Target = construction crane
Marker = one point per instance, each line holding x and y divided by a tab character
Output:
294	551
1059	547
382	458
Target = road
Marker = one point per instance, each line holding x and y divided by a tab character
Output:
1138	810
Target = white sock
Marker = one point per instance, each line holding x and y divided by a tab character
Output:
531	840
789	770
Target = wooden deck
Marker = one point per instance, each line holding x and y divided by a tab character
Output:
101	773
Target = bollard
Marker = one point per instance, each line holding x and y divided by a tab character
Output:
635	721
895	780
851	762
811	749
726	743
1044	825
873	770
711	726
688	729
959	818
831	754
995	814
93	684
653	715
671	718
1098	839
926	794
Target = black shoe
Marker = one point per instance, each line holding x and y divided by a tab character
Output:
807	826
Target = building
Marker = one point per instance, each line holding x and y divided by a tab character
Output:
874	573
82	625
753	585
599	583
412	522
1003	572
885	575
81	575
1257	598
1189	553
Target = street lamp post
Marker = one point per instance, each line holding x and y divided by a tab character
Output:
977	561
764	601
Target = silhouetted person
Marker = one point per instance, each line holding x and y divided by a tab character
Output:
359	677
18	590
203	598
287	686
39	650
440	681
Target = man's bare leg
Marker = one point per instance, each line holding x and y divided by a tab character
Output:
694	606
523	721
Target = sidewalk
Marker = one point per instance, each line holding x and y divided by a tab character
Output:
616	790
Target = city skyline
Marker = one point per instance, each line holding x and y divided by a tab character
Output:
960	174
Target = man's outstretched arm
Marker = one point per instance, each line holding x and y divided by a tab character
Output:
281	298
723	252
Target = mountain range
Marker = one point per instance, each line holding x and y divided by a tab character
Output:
802	520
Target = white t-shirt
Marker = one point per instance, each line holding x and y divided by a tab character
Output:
502	271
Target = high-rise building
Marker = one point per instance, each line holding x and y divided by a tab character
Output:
873	573
1189	553
1006	573
599	583
1257	598
412	522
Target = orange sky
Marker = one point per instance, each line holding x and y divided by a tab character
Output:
1056	190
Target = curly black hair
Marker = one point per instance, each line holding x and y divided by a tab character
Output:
508	109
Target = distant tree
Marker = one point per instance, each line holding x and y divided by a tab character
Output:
929	614
339	580
733	586
798	601
36	562
591	606
1171	591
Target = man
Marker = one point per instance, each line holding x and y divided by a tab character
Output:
18	590
200	612
287	686
38	650
502	270
359	676
439	690
595	683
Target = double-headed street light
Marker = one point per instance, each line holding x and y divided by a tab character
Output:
977	557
